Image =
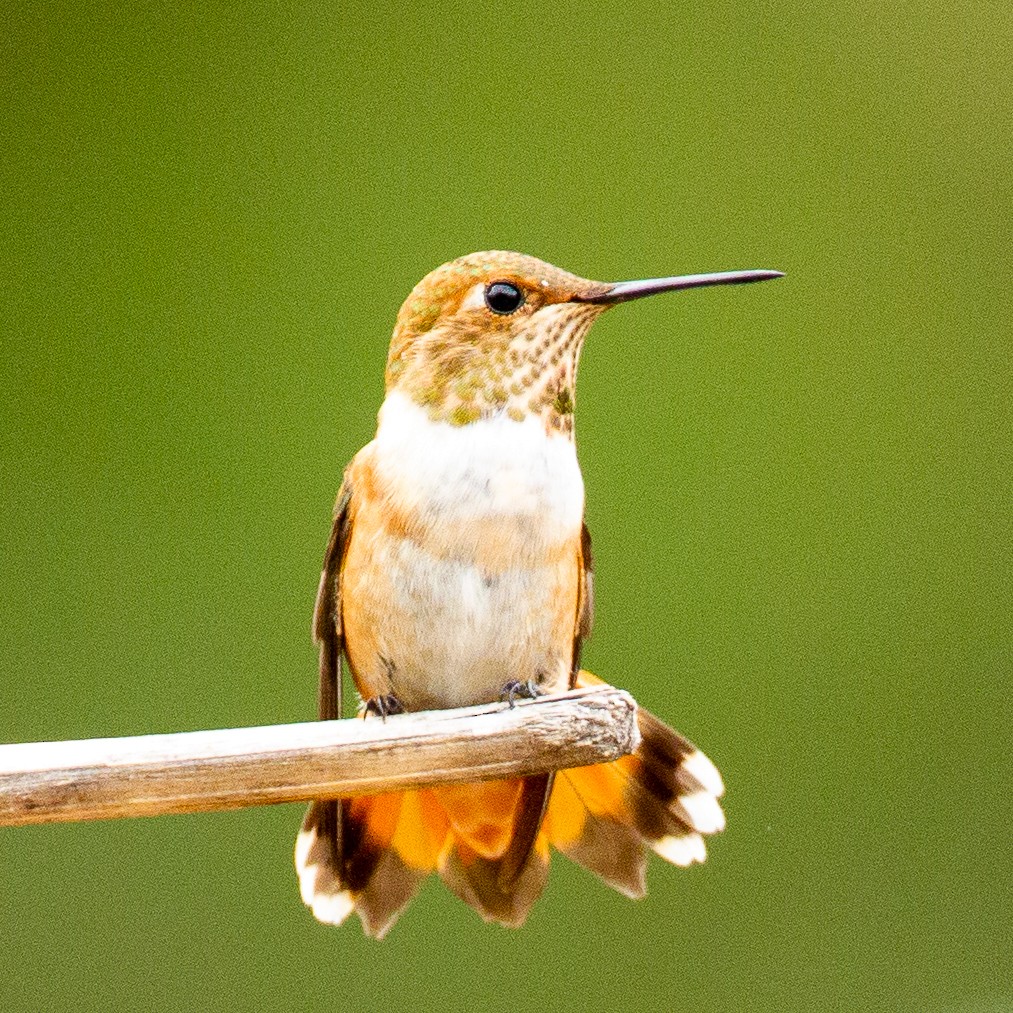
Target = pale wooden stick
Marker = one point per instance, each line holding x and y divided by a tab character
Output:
148	775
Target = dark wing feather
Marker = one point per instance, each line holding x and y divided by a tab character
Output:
321	838
327	612
585	602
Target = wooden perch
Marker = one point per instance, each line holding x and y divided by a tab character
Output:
186	772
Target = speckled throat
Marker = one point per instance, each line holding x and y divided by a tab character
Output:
463	370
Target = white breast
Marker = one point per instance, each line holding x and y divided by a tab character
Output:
494	467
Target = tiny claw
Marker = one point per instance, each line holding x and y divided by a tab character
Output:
515	690
381	706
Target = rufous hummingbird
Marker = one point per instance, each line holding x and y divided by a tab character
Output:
459	572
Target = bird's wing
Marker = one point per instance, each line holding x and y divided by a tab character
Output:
585	601
327	630
320	847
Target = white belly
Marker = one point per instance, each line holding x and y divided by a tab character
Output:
483	588
456	635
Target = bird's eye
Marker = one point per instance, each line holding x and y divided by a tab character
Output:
503	297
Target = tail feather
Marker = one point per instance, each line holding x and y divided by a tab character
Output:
492	860
348	858
669	794
319	866
605	817
388	892
479	882
490	841
600	843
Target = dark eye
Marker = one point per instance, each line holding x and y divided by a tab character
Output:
503	297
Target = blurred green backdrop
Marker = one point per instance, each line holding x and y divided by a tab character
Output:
799	492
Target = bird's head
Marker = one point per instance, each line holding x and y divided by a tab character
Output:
500	332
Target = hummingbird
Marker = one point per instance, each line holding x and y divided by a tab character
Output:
458	572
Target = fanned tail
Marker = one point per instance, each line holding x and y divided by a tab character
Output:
490	841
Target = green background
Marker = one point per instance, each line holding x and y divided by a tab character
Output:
799	492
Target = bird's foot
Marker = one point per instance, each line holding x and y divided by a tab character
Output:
381	706
516	690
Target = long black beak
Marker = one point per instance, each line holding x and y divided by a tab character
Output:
624	291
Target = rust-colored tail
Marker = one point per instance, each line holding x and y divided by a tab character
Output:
489	841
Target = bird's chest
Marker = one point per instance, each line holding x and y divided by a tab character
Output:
463	567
